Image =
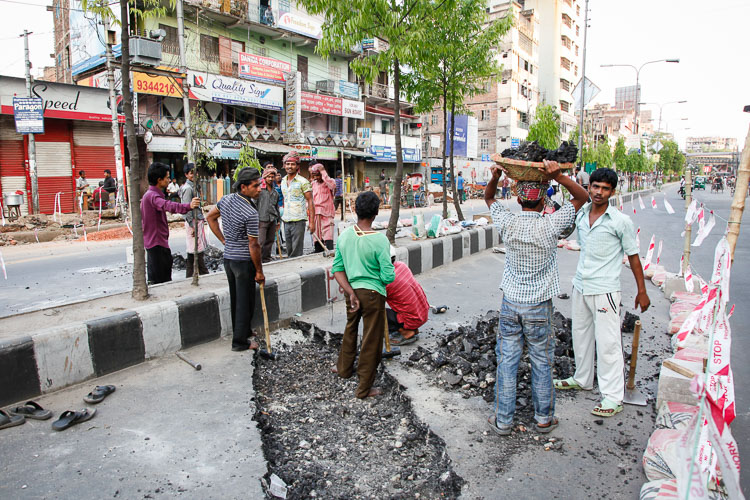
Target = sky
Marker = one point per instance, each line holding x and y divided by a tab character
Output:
707	37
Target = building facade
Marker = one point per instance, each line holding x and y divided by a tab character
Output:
61	20
709	144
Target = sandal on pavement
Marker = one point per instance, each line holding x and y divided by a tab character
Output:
566	384
500	431
10	420
70	418
548	427
606	409
399	340
31	409
99	393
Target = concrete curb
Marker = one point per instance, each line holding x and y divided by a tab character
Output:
67	354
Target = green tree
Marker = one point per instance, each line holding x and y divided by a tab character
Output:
455	60
620	154
402	24
545	129
603	154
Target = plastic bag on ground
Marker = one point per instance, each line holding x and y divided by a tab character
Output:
660	459
435	226
417	227
675	415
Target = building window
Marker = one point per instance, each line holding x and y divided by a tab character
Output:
484	115
575	72
434	120
565	63
567	21
334	123
260	51
578	10
237	47
576	49
525	44
565	85
385	126
578	30
484	144
334	72
209	48
487	86
170	44
564	106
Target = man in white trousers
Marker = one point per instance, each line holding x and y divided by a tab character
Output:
605	234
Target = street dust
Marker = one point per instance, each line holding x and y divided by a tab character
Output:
323	442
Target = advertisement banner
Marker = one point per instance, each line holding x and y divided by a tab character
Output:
353	109
459	135
328	105
348	89
301	23
29	115
293	115
472	137
325	153
388	154
157	85
226	90
262	68
363	138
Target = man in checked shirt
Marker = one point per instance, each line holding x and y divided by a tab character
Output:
530	280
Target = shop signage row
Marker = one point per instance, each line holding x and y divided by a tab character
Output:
388	154
226	90
328	105
263	68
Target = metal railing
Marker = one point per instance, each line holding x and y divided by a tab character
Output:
522	124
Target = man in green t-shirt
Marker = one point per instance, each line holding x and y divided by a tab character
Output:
363	268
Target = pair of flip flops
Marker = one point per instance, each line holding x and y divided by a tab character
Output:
98	394
18	414
70	418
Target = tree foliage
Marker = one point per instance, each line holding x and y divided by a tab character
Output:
545	128
201	133
620	154
671	159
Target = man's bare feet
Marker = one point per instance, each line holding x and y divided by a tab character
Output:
407	334
374	392
334	370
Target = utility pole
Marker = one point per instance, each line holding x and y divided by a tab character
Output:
113	108
688	227
583	82
183	70
32	143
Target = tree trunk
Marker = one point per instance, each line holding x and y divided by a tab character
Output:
395	207
140	287
196	211
740	192
456	200
445	148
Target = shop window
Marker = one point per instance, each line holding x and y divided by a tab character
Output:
209	48
385	126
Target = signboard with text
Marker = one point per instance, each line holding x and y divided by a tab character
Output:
157	85
262	68
29	115
226	90
388	154
328	105
293	112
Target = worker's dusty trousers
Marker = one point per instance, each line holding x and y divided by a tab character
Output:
372	312
596	328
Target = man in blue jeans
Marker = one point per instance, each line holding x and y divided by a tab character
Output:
530	280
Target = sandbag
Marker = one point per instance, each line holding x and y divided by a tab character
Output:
693	298
680	307
660	276
675	415
690	354
676	323
695	341
652	270
666	489
661	457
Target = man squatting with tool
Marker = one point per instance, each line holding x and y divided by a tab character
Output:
242	260
530	280
323	188
409	308
363	268
297	194
605	234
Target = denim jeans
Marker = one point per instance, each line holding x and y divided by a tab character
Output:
531	323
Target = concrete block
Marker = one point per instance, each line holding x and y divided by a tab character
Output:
199	319
473	241
313	284
161	328
225	310
289	288
415	257
458	245
63	356
672	285
402	255
675	387
438	255
272	305
116	342
447	242
19	378
426	255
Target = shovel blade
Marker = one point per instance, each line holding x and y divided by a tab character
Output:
634	397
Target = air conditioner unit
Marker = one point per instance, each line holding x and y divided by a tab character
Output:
325	86
145	51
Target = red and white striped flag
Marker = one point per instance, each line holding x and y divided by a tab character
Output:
668	207
653	203
619	199
650	252
658	254
2	263
731	311
638	239
634	207
640	202
689	279
682	260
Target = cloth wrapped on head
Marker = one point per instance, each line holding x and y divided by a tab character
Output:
316	168
292	156
531	190
270	170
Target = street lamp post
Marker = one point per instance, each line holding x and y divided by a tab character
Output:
637	83
661	108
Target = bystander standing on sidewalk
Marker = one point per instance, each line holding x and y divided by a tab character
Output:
82	190
530	280
605	234
460	187
268	213
363	268
110	185
298	206
582	177
154	208
194	222
242	260
323	188
338	195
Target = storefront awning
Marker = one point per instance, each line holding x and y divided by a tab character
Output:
271	147
361	154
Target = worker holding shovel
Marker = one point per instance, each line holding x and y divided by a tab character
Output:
323	188
530	280
605	234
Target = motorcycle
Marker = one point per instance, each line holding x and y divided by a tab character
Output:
682	192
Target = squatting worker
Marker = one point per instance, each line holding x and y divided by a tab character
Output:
323	189
605	234
298	205
193	225
363	269
530	280
242	261
409	308
268	212
154	208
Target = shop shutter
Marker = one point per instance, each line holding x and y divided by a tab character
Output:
93	150
54	131
11	150
54	175
14	183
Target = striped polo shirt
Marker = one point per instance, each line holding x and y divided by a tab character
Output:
239	219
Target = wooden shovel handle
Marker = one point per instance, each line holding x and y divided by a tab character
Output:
387	334
634	354
265	317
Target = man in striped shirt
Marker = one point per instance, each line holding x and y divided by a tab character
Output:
530	280
242	259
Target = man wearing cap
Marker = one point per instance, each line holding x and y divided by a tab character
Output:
242	260
298	205
194	222
268	212
530	280
323	188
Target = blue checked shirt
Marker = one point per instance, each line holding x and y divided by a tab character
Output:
602	249
530	275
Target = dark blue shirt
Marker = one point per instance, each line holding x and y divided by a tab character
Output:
239	220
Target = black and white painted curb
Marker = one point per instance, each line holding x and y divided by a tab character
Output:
48	360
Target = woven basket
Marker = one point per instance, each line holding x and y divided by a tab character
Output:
521	170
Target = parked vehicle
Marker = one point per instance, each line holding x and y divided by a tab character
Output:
436	176
699	183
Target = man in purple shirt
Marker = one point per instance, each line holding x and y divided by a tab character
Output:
154	208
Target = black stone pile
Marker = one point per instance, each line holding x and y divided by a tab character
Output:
532	151
323	442
213	257
465	360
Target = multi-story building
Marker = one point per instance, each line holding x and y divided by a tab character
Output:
625	97
560	37
61	19
709	144
604	121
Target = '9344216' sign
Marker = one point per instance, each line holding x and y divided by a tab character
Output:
157	85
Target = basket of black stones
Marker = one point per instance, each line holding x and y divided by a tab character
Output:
525	163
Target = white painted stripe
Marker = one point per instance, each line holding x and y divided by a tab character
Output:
482	235
426	255
225	310
402	255
289	287
466	237
447	249
161	328
63	356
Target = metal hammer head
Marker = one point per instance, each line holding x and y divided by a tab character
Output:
395	351
268	355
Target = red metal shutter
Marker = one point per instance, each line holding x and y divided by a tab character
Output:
93	150
12	162
53	166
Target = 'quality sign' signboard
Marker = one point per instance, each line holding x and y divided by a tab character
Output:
29	115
